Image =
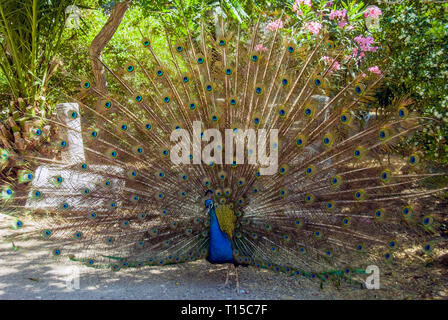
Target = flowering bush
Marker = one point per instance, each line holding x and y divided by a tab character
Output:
406	41
416	36
344	21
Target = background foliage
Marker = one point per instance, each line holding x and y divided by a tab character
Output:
412	41
416	37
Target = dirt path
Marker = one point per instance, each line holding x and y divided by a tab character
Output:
29	273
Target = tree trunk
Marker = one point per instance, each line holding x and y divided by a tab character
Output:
100	42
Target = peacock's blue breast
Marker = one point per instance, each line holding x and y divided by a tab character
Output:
220	246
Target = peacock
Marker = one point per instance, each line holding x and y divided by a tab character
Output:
244	147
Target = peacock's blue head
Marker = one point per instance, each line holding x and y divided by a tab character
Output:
209	199
208	203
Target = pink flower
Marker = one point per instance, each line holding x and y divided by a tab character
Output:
335	65
299	13
373	11
375	69
260	47
313	27
275	25
338	14
342	24
355	55
305	2
297	4
365	43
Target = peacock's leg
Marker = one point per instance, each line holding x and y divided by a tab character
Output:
228	275
237	282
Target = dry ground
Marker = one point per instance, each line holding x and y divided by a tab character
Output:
29	273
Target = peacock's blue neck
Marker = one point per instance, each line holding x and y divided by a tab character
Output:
220	246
